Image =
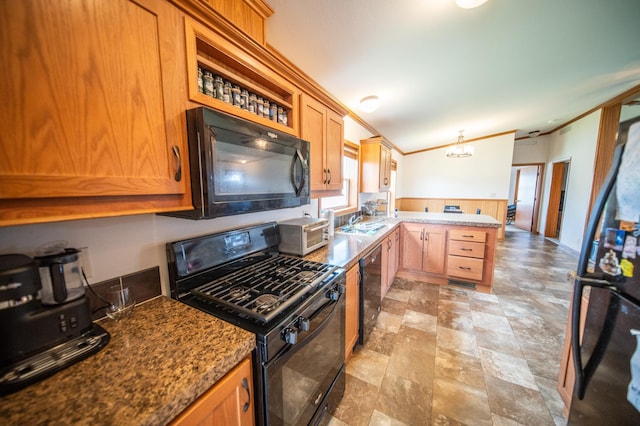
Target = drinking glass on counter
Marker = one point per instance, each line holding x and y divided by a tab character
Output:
121	301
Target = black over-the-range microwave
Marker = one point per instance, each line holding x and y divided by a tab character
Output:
238	166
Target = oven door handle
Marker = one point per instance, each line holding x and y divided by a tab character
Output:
290	350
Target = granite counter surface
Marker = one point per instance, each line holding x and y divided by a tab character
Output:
457	219
158	361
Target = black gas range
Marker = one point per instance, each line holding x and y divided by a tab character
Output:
294	307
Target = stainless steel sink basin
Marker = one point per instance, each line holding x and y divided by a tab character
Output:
362	228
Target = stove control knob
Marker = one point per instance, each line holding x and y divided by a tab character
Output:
303	324
290	336
333	295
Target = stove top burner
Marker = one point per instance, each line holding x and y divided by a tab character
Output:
266	303
240	293
266	288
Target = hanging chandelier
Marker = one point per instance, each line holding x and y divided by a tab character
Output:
460	149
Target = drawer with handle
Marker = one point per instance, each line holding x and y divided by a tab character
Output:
465	267
462	235
464	248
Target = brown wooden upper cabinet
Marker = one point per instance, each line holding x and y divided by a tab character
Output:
324	129
375	165
90	121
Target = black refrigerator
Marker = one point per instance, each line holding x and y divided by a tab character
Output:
607	355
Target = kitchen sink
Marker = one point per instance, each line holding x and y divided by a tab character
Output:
362	228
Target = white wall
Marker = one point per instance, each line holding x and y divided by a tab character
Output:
577	143
527	151
431	174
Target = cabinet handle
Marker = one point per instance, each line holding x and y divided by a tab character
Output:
421	235
466	249
176	152
465	268
245	386
468	236
329	171
324	172
426	236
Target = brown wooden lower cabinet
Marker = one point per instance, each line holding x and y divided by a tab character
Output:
229	402
448	254
352	299
567	374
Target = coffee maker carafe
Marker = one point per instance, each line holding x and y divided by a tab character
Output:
60	277
43	330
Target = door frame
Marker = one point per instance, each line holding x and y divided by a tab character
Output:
536	202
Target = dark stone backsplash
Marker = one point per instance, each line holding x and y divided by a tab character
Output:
143	284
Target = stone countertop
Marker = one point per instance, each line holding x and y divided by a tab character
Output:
459	219
158	361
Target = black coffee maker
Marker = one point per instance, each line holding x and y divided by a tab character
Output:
43	328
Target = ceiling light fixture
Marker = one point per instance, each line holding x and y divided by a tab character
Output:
470	4
534	133
369	103
460	149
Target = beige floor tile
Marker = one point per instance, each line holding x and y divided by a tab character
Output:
381	419
508	368
388	321
401	295
368	365
463	403
420	321
404	400
517	403
459	367
490	322
458	341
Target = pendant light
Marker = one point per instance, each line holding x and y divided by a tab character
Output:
460	149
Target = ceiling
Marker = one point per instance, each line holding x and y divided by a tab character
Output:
507	65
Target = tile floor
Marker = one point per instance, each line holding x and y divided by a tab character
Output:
450	356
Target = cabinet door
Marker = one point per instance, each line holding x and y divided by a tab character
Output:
83	101
85	112
385	168
433	254
228	402
352	296
411	252
334	148
313	118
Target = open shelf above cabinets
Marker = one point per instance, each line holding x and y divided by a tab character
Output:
239	74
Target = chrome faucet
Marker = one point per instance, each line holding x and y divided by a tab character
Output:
354	219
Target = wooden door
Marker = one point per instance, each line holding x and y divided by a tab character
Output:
526	192
555	199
